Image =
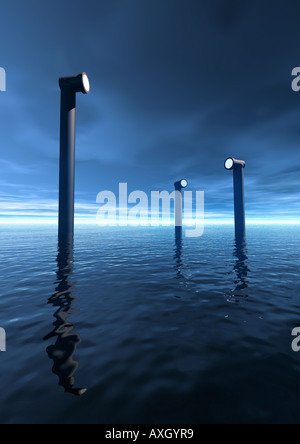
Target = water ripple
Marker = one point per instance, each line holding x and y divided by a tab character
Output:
149	321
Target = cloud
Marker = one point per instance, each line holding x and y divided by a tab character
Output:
176	87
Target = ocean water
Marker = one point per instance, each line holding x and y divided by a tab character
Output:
142	326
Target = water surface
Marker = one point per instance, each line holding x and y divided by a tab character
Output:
142	326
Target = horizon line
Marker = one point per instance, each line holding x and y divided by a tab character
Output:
145	223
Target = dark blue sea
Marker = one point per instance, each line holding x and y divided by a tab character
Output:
138	326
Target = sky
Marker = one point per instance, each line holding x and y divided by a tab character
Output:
177	86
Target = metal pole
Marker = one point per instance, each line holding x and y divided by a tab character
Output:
69	87
178	201
67	165
239	194
239	201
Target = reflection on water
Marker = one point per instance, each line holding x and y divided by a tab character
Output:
241	270
182	274
159	354
178	252
62	352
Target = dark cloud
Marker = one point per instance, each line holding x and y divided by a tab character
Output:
176	87
227	14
